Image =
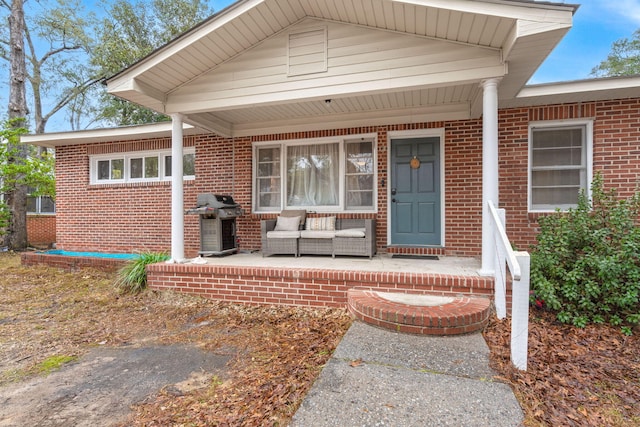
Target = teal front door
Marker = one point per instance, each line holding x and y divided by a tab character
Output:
415	198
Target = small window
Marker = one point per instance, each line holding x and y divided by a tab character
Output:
188	165
139	167
40	204
143	167
560	164
110	170
359	175
268	185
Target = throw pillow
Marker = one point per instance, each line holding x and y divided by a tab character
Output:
290	223
327	223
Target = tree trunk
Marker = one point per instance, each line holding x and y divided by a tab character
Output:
16	197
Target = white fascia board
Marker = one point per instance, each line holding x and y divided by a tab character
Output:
579	86
125	133
216	21
448	112
547	12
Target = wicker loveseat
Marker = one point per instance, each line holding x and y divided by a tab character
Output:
318	236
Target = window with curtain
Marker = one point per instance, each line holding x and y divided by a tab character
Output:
336	175
312	175
559	166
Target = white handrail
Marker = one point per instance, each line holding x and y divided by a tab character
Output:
519	264
512	262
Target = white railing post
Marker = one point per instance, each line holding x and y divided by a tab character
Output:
520	314
519	266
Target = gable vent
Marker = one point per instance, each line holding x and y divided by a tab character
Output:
308	52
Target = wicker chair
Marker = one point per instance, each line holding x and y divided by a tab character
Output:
356	246
284	242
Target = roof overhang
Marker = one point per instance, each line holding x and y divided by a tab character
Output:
93	136
521	33
588	90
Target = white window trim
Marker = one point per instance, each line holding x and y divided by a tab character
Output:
588	125
126	157
341	140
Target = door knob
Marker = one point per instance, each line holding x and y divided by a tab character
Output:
393	200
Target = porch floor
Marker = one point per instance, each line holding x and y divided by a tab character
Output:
459	266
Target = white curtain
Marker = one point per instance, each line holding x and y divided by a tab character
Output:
312	175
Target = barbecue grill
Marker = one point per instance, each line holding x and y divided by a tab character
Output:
218	215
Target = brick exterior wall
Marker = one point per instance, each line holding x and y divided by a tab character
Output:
41	230
131	217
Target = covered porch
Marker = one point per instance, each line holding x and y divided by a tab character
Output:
285	73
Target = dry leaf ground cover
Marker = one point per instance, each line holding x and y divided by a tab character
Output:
48	315
576	376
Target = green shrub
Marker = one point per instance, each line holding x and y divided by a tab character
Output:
586	265
132	278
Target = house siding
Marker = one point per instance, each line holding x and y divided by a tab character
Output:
132	217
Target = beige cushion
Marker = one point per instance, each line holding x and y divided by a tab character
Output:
326	223
290	223
317	234
351	232
295	212
283	234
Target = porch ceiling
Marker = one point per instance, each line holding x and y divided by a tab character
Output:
521	32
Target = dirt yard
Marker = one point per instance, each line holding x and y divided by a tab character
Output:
150	359
159	359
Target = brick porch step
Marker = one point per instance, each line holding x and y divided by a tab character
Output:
420	314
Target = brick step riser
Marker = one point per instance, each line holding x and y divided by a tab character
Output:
462	316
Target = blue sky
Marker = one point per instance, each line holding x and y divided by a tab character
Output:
596	25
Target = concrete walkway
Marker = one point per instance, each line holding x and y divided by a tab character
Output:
381	378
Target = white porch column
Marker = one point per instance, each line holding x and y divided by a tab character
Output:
177	191
489	169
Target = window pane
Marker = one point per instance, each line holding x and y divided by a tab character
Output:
189	165
555	196
268	181
47	205
117	169
312	175
167	165
151	167
136	168
359	174
548	178
359	157
103	169
32	204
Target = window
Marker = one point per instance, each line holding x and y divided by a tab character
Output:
40	205
326	175
188	165
359	175
139	167
560	164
